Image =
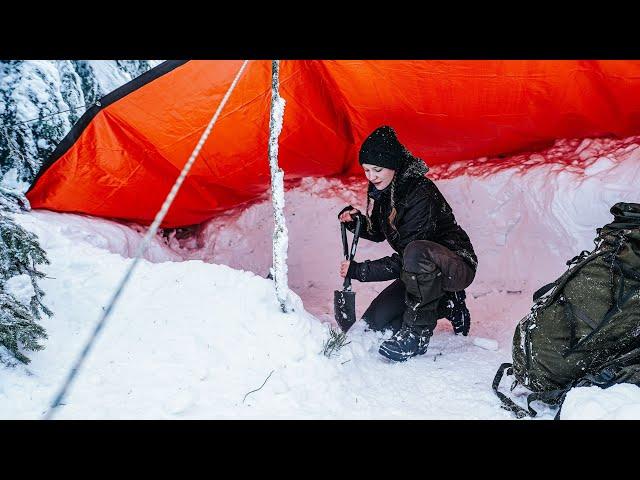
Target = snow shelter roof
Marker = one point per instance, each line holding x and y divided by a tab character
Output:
124	154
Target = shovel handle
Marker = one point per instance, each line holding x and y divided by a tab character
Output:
356	235
345	245
350	254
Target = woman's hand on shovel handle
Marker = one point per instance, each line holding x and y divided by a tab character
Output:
346	216
344	268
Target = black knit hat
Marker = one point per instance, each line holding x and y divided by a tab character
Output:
382	148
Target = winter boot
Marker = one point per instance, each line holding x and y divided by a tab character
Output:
455	310
413	338
408	342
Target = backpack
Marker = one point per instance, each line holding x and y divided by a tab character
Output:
584	328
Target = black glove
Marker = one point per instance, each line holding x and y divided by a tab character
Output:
349	207
352	273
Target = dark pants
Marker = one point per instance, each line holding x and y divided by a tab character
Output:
429	270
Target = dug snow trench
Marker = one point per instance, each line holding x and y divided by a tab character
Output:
198	332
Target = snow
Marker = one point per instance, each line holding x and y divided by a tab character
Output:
41	99
10	181
109	76
104	234
618	402
32	96
199	326
486	343
20	287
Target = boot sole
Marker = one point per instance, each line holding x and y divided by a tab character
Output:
398	356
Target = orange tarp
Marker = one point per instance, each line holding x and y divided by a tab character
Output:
123	161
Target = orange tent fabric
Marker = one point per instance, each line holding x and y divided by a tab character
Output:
123	155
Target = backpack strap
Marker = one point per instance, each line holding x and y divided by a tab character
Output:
542	290
617	303
570	317
580	261
607	374
507	403
551	397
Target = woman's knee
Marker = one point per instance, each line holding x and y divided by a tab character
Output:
427	257
417	256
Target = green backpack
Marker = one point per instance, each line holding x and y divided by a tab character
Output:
584	328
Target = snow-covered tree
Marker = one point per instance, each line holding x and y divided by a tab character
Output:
40	100
21	303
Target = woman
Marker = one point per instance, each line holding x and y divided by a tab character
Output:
434	262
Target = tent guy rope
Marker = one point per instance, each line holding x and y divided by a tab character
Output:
142	247
280	233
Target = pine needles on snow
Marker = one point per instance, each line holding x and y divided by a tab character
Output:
337	339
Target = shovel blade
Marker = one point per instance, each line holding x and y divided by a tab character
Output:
344	305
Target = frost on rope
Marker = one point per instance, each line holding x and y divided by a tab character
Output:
280	234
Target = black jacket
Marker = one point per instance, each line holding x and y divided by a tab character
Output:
422	214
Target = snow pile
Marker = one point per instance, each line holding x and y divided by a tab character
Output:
193	339
105	234
183	339
204	337
619	402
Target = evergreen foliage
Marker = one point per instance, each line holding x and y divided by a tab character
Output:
20	254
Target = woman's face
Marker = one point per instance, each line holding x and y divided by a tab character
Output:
380	177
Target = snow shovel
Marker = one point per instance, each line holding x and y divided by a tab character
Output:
344	301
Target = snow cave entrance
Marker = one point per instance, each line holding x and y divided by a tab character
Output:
526	215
